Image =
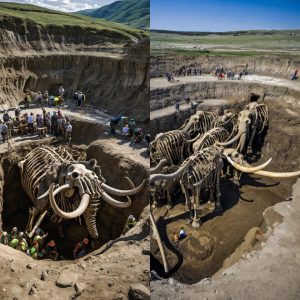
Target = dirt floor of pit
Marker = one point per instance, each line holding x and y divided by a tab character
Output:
108	273
203	251
271	273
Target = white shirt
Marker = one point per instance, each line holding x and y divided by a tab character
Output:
30	119
69	128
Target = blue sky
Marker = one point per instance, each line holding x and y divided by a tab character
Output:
65	5
224	15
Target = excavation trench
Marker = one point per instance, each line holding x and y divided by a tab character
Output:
111	221
203	252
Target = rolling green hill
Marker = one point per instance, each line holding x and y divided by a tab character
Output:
28	15
135	13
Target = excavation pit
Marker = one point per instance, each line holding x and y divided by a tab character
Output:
115	164
202	253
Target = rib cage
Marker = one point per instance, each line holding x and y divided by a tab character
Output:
199	123
35	165
203	170
216	134
170	145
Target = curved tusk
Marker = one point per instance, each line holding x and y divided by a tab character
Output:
161	163
61	188
248	169
235	138
85	200
156	177
122	193
194	139
115	202
278	174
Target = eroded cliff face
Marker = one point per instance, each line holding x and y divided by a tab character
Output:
264	65
111	70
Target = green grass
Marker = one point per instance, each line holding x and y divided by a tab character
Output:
46	17
135	13
246	44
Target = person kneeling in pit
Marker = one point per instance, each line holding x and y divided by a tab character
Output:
81	248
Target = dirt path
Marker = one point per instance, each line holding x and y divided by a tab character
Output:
160	83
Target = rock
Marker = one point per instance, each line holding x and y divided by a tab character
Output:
44	275
138	292
66	279
29	266
32	289
146	250
79	288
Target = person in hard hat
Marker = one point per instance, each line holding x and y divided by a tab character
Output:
131	221
39	238
81	248
14	243
51	250
4	238
33	252
23	245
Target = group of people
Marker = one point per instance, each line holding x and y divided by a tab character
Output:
30	123
189	71
221	73
80	99
193	105
45	99
38	247
128	128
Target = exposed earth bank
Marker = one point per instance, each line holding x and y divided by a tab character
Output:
110	67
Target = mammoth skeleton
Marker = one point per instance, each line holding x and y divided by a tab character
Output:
55	181
252	121
202	170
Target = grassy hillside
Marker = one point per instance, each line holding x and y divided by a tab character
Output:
242	43
135	13
46	17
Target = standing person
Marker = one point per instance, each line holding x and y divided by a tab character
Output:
17	112
39	98
68	131
79	100
194	105
30	122
4	238
132	126
177	104
28	99
54	123
61	91
4	131
6	117
46	97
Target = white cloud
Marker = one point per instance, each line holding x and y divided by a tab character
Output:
66	5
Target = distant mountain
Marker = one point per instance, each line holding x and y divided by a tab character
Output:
135	13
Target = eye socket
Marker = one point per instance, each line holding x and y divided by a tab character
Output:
75	174
236	155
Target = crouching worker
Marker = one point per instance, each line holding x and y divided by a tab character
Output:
23	246
81	248
51	250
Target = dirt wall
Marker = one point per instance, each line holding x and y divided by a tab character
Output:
264	65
